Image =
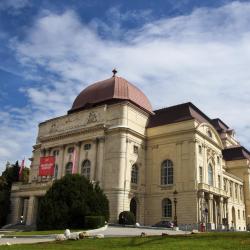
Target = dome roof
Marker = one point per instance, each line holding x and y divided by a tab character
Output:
110	91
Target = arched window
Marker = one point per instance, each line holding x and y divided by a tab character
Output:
68	168
167	172
85	170
210	175
166	208
56	171
134	174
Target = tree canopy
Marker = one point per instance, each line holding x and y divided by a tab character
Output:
9	176
69	201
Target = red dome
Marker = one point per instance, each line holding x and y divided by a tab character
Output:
108	91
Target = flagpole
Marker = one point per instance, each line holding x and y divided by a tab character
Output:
21	169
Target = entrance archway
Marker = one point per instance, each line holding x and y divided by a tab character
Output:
133	207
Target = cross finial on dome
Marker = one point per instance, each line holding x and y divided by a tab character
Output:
114	72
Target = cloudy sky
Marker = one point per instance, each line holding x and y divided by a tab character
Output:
175	51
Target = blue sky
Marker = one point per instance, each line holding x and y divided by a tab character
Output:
175	51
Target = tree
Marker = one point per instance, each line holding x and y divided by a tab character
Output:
25	175
69	201
4	200
10	175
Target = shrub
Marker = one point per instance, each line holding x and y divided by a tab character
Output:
69	201
94	221
126	218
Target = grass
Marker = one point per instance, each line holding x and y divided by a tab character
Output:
198	241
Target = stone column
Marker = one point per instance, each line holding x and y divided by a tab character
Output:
15	208
201	208
216	210
61	162
221	200
100	160
31	210
226	213
25	209
210	212
94	163
77	147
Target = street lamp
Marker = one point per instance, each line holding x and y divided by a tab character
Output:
175	203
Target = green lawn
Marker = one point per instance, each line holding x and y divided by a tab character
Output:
198	241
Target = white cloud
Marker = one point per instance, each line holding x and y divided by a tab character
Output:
202	57
13	4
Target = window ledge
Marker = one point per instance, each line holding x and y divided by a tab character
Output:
168	186
134	186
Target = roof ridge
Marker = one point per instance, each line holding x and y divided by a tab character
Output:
173	106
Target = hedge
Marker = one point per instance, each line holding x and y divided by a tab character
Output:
94	221
126	218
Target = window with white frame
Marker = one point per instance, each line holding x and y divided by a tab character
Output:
236	191
70	150
200	149
230	188
86	168
167	175
241	195
210	175
68	168
166	208
87	146
219	182
200	174
225	184
134	174
56	171
136	149
55	152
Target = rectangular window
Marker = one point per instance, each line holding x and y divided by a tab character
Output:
200	174
200	149
225	185
241	195
70	150
55	153
87	146
230	188
218	160
136	149
219	184
236	191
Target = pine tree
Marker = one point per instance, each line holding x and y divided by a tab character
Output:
69	201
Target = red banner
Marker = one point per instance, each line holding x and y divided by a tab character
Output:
46	167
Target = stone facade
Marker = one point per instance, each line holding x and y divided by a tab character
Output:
139	167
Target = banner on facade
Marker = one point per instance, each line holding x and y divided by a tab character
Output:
47	164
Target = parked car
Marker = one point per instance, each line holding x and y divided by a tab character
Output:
167	224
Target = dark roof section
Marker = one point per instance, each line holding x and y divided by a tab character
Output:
114	89
178	113
219	125
235	153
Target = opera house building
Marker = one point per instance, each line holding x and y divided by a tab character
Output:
171	164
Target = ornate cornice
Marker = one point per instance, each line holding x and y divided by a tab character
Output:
70	133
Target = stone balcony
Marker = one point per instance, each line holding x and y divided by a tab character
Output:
213	190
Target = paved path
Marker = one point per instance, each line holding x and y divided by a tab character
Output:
110	231
130	231
3	241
